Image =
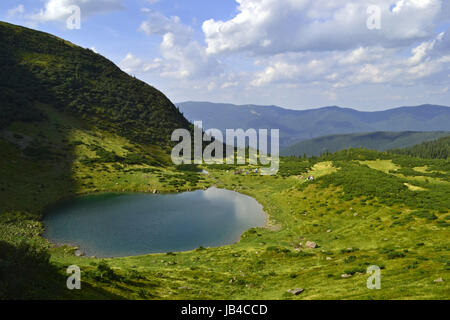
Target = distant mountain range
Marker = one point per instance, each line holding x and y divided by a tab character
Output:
380	141
299	125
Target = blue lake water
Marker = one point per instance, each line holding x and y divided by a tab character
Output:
117	225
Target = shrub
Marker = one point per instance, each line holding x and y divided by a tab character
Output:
350	259
395	255
104	273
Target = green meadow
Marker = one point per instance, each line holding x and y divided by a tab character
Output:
360	210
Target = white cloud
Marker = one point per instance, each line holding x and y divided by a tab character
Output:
403	5
273	26
182	57
60	10
364	65
227	85
303	50
438	91
154	65
130	63
158	24
420	52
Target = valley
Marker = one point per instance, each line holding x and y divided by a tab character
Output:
358	210
74	127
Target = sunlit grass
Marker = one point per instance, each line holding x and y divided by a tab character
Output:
410	244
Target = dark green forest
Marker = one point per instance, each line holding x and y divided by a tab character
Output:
436	149
380	141
38	67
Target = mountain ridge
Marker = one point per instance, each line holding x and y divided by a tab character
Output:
298	125
336	107
39	67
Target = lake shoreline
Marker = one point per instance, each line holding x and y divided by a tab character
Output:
77	246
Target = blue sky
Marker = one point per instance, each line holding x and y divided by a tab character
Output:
293	53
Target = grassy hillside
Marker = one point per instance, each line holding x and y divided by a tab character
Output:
363	208
72	123
380	141
297	125
38	67
437	149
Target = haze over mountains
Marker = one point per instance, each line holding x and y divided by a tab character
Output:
299	125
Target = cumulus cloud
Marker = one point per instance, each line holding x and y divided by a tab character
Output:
364	65
272	26
320	48
182	57
60	10
328	44
159	24
130	63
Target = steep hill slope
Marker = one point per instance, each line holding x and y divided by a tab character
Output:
71	123
297	125
38	67
380	141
